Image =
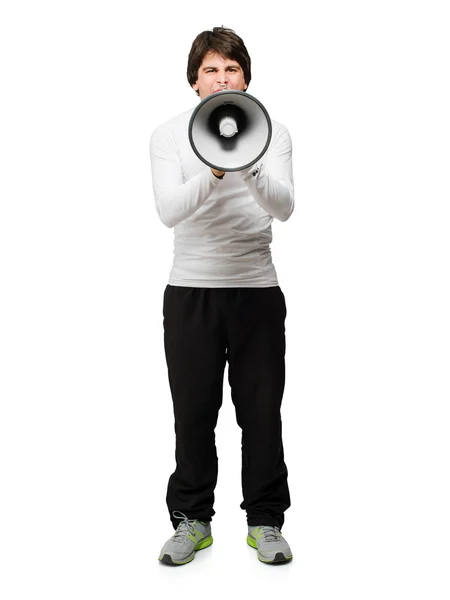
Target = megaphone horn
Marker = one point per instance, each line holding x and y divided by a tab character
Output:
230	130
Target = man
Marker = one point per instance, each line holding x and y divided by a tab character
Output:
223	303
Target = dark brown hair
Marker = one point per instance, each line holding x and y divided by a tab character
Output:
223	41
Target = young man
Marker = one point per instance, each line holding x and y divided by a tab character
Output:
223	303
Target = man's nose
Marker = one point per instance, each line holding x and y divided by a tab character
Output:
222	77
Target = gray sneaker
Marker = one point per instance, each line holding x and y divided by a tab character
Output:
191	535
271	545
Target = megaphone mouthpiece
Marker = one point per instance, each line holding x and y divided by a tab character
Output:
228	127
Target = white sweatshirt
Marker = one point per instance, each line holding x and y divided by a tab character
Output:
222	226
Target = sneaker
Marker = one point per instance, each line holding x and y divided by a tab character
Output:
271	545
190	536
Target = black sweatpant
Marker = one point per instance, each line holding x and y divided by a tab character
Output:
204	328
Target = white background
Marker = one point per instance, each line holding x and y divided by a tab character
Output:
86	425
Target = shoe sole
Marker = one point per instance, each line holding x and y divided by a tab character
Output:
278	558
204	543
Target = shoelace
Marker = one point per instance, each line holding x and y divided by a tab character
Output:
270	533
184	528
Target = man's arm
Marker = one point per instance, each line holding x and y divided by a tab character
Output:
271	181
175	200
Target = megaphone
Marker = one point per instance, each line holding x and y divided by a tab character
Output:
230	130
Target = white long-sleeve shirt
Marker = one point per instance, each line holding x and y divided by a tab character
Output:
223	226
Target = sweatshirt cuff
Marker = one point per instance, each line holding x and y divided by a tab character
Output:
252	172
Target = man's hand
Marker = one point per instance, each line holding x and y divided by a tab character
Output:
218	173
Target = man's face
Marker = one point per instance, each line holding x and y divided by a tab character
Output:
217	74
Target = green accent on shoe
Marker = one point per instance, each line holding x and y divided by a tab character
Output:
204	543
